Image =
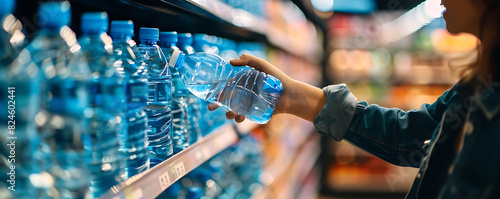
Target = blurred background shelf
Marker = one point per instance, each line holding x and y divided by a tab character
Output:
215	18
149	184
283	176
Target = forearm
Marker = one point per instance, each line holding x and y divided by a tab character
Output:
304	100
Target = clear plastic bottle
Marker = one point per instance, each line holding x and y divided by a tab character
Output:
159	96
228	49
19	79
104	116
194	111
133	145
210	119
249	92
64	98
179	104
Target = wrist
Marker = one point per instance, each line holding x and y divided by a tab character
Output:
303	100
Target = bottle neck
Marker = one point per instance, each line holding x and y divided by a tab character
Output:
176	58
93	34
166	44
149	42
121	38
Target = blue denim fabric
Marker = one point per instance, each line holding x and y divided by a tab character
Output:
455	141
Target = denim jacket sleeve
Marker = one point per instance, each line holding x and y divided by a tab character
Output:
391	134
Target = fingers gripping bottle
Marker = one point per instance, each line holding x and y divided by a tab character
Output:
159	96
244	90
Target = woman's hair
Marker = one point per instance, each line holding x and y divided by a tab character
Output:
491	66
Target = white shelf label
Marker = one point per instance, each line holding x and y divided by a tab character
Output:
179	169
164	181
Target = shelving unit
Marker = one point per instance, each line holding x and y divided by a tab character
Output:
296	162
154	181
200	16
211	17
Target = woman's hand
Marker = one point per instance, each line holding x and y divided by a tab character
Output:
297	98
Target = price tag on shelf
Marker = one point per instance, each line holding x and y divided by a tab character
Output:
164	180
179	169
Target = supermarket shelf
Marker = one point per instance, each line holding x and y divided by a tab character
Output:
292	166
178	15
153	182
305	162
196	16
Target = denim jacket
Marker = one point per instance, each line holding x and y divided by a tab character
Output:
455	141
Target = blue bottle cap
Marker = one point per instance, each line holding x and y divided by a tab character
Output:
122	27
185	39
168	39
54	14
94	22
194	193
169	36
7	7
199	37
152	34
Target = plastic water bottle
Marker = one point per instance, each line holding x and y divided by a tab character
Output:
216	118
194	111
205	43
228	49
20	79
249	92
180	94
133	145
63	101
159	96
104	115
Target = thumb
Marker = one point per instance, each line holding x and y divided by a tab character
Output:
238	62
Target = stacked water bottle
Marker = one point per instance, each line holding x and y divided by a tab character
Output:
94	111
233	173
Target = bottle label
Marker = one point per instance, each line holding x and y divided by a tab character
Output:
136	92
67	96
159	92
106	95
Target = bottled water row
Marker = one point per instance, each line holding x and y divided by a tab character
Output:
233	173
95	110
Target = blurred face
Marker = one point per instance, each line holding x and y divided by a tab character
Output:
463	15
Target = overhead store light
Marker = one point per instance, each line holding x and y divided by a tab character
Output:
348	6
411	21
323	5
